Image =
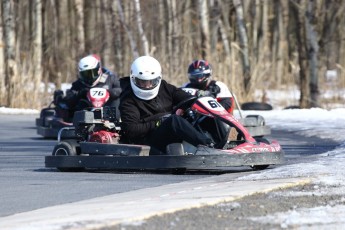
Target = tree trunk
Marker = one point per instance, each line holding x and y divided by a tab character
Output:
79	8
175	35
2	62
107	47
117	43
140	28
162	33
313	49
53	67
304	80
37	51
128	31
281	52
241	27
204	29
10	41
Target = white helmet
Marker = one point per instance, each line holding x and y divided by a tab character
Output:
90	70
146	77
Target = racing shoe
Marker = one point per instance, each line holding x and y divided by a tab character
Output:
175	149
211	145
204	150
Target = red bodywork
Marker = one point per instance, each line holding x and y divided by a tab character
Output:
208	106
98	97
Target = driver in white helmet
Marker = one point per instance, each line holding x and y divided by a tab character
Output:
92	74
146	108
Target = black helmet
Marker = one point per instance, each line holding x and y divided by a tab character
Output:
199	72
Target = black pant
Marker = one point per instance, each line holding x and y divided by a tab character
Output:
176	129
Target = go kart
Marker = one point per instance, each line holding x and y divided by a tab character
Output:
100	146
52	119
55	120
255	124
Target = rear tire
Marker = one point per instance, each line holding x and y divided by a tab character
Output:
256	106
67	148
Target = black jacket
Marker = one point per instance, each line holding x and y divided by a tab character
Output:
139	116
78	91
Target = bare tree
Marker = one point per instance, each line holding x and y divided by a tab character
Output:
140	28
281	68
241	27
298	9
2	61
128	31
205	30
107	48
37	54
242	39
10	41
79	8
313	48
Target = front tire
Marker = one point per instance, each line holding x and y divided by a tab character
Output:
67	148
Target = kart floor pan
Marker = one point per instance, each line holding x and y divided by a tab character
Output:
158	162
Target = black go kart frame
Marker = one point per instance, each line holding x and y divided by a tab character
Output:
98	145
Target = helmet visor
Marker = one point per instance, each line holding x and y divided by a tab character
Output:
197	77
89	76
147	84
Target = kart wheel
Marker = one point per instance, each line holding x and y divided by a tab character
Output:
256	106
293	107
260	167
67	148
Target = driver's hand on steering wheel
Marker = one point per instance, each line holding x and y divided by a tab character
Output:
179	112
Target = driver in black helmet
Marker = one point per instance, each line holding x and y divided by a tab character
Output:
200	77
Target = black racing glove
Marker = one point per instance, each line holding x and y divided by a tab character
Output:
82	93
202	93
162	119
214	90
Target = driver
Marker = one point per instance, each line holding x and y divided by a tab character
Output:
200	77
92	74
146	108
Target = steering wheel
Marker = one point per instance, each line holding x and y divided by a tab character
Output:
185	104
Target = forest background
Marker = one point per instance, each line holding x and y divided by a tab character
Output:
251	44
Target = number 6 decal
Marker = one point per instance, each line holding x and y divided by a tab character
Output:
213	103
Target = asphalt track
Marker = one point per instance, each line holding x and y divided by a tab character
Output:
33	196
